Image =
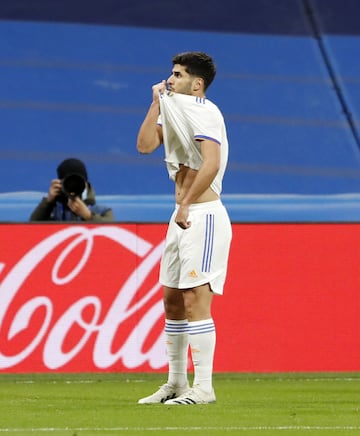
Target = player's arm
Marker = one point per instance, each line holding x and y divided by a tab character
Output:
210	151
150	133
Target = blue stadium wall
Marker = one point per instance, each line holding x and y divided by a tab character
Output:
76	80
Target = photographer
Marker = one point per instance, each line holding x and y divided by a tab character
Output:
71	197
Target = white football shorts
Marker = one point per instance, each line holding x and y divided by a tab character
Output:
199	254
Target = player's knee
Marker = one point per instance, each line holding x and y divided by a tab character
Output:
174	308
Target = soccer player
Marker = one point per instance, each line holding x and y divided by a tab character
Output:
194	263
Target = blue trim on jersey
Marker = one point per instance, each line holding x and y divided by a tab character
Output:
207	137
201	100
208	243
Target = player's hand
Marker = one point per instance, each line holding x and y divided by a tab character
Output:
159	88
54	190
182	216
79	208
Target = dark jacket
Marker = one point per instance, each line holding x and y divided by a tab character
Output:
58	211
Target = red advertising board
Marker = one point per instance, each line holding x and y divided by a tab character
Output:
86	298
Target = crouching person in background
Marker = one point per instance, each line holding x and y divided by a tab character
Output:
71	197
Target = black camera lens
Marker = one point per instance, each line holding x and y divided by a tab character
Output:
73	185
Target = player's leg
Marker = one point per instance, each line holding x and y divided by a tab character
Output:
177	338
177	343
202	334
203	275
202	339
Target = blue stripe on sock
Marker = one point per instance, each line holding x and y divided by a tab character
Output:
201	328
176	328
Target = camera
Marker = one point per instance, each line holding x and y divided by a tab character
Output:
73	185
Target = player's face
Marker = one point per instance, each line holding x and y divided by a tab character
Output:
180	81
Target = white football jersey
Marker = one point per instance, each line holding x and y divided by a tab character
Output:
186	120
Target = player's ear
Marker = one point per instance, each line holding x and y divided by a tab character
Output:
198	83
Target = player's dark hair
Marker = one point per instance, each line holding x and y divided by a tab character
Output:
197	64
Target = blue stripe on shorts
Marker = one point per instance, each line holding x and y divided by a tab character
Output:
208	243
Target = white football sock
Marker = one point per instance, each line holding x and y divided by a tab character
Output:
177	345
202	338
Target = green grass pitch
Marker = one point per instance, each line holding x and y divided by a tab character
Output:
247	404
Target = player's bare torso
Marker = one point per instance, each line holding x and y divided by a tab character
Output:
184	179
